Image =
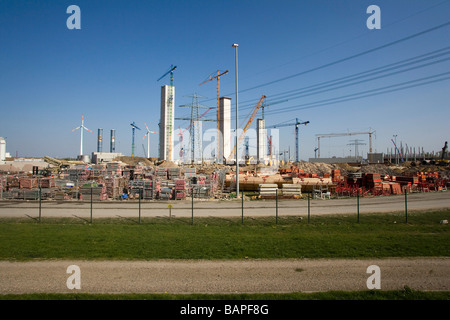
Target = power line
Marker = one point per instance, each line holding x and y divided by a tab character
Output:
364	94
332	84
415	35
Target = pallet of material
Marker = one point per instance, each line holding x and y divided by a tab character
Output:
28	183
291	190
268	190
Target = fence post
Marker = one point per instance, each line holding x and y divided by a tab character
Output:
276	206
192	206
91	203
40	200
406	206
242	207
309	207
140	190
357	203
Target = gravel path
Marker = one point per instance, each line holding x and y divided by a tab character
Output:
247	276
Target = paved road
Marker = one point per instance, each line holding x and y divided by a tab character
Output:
416	201
248	276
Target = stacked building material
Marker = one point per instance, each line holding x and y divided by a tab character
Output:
3	182
180	189
98	191
373	183
336	175
151	189
395	188
190	172
201	179
28	183
48	182
201	191
114	186
291	190
77	174
114	169
268	190
166	193
161	173
13	182
174	173
97	170
406	180
386	186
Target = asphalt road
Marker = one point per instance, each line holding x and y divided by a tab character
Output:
225	208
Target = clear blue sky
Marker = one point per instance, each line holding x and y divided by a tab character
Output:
108	70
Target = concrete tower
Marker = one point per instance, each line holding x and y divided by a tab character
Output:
166	132
260	140
225	129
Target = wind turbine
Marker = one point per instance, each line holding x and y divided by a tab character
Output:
81	127
133	126
148	139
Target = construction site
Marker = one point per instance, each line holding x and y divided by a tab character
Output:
181	170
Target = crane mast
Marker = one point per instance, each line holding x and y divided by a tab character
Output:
296	124
219	74
249	122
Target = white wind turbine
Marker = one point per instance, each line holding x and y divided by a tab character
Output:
81	127
148	139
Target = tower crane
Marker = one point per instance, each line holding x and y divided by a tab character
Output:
249	122
170	110
134	127
331	135
296	124
219	74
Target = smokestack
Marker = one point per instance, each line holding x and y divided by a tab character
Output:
100	140
112	146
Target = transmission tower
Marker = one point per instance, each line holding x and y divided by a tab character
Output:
195	129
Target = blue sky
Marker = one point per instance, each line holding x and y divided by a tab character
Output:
108	70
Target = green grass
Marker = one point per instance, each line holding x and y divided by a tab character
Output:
375	236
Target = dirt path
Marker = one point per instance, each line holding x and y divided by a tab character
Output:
248	276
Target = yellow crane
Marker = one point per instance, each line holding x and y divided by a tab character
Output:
219	74
249	122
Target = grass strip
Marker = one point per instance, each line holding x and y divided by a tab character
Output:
376	236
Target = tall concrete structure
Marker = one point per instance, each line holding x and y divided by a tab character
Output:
166	132
100	140
112	142
260	140
224	136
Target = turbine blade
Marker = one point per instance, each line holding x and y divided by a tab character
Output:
76	129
